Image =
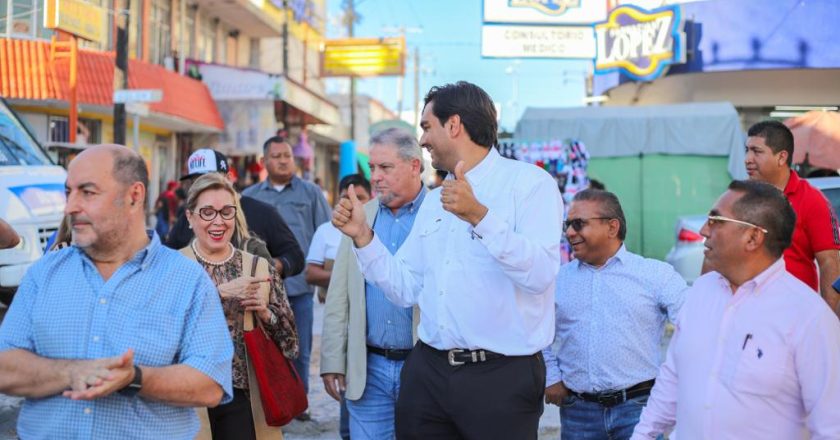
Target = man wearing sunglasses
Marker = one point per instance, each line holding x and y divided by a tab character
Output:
755	353
769	154
610	310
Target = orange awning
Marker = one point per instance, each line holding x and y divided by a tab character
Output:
26	73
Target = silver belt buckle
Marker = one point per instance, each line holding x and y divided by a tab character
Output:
451	355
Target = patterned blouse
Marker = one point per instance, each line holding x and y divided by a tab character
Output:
283	332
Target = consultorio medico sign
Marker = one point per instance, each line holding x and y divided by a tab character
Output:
638	43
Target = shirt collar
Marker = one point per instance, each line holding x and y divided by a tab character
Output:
621	256
482	169
793	183
268	185
760	280
412	205
142	258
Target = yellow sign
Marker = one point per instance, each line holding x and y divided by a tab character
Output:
76	17
363	57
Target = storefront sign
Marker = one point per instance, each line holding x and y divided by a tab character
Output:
583	12
232	84
81	19
511	41
363	57
640	43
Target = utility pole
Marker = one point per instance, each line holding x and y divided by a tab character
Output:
350	16
416	87
284	114
121	69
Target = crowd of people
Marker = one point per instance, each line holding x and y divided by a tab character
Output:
448	312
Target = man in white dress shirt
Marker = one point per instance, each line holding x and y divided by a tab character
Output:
755	353
480	261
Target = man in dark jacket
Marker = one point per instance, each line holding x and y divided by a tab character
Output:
263	220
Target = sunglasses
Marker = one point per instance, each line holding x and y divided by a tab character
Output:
578	223
208	213
715	219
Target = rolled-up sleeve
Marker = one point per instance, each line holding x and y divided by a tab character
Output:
206	344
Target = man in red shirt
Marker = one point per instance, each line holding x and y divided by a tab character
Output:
769	152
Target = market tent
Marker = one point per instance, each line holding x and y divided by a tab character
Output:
661	161
704	129
816	134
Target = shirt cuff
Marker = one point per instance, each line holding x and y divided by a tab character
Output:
365	255
488	227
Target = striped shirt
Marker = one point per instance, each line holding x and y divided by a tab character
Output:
389	325
158	303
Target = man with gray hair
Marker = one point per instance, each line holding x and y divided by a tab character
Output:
116	336
366	338
610	310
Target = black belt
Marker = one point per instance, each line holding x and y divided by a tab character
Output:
461	356
390	353
613	398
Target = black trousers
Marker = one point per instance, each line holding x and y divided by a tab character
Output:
497	399
233	421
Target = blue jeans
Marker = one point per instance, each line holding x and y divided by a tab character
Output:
372	416
582	420
302	307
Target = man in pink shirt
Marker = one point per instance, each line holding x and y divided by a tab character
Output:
755	354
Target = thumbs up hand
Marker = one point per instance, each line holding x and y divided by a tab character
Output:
349	218
457	197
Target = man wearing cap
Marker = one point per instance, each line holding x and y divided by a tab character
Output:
263	221
304	207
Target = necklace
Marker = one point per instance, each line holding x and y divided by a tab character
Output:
212	263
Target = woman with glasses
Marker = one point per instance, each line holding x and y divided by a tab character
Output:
214	214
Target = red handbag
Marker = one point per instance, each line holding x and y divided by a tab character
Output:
280	387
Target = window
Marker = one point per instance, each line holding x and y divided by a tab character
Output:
89	131
160	36
207	40
254	53
20	18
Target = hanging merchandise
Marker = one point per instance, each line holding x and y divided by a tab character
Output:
566	161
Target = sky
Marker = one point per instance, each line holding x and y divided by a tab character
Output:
448	35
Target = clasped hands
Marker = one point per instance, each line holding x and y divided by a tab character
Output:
247	290
456	196
94	378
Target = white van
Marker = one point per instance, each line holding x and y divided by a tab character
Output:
31	198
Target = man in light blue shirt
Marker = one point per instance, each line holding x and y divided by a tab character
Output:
611	306
366	338
304	208
116	336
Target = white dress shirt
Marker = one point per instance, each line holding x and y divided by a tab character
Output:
761	363
488	287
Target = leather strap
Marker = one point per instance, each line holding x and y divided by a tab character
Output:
251	264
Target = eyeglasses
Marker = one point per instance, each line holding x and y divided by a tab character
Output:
578	223
713	219
208	213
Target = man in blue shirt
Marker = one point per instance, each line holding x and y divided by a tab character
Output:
115	336
611	306
304	208
366	338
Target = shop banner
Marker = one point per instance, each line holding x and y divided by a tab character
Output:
640	43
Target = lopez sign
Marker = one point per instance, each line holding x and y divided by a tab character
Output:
639	43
